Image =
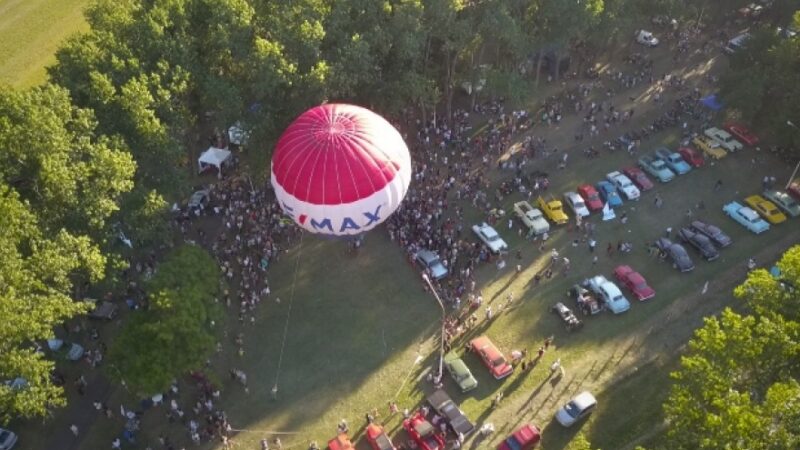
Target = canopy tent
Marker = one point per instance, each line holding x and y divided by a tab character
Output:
712	102
237	135
213	157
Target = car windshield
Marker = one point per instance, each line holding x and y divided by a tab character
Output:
572	409
499	361
579	204
641	285
658	164
674	158
594	197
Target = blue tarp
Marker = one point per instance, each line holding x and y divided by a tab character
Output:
712	102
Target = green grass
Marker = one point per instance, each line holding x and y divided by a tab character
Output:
30	33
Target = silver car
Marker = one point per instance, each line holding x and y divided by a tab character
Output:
431	263
8	439
576	409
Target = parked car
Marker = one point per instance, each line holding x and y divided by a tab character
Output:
676	253
447	408
526	438
489	236
710	147
746	217
586	300
635	282
576	409
724	138
624	185
575	202
742	133
423	433
699	241
460	372
783	201
378	439
712	232
656	168
431	264
531	217
673	160
8	439
553	210
609	293
567	316
646	38
736	44
609	193
765	208
691	156
199	199
591	197
492	358
638	177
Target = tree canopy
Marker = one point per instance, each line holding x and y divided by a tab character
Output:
59	182
176	333
738	385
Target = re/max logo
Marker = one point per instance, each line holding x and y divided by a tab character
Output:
343	224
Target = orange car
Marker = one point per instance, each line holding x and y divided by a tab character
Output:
377	438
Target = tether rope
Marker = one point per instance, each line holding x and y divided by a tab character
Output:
288	315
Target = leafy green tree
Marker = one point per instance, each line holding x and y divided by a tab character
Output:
579	442
60	180
737	386
176	333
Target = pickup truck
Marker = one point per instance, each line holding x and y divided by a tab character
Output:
447	408
531	217
586	300
553	209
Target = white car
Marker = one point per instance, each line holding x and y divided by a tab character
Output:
579	407
532	218
624	185
489	236
724	138
646	38
609	293
577	204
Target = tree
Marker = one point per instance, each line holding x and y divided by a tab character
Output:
60	180
176	333
579	442
737	386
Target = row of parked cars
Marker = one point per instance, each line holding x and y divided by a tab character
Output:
760	211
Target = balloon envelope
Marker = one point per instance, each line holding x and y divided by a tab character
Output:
340	170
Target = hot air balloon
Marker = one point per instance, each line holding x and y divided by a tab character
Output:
340	170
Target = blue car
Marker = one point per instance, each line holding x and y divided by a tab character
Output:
673	160
609	193
657	168
746	217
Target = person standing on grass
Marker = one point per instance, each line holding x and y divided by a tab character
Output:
74	429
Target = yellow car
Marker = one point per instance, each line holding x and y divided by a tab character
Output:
766	209
710	147
553	210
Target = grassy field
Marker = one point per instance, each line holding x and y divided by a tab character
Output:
359	323
30	33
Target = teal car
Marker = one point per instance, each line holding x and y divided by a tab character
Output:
656	168
673	160
460	372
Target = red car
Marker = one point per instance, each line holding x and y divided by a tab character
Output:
794	190
525	438
742	133
491	357
423	433
591	197
692	156
638	177
377	438
635	282
341	442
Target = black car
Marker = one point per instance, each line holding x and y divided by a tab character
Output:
447	408
675	252
699	241
712	232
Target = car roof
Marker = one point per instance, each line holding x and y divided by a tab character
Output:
584	400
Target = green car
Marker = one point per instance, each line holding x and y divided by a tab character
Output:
460	372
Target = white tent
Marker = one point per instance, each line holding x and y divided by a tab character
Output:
213	157
237	134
